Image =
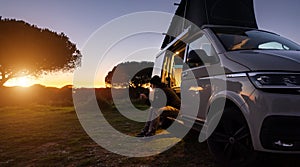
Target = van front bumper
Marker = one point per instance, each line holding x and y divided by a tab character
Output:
274	121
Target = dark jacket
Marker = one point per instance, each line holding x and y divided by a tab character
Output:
165	96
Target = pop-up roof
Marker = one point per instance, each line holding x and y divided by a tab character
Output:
212	12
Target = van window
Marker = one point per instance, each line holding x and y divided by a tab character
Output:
273	45
201	52
252	39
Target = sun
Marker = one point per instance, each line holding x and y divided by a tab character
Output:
20	81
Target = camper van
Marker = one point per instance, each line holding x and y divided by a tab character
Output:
261	74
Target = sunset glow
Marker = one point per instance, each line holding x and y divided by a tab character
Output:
58	80
20	81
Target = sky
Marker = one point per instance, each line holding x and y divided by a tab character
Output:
79	19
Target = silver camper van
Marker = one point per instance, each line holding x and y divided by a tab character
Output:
261	71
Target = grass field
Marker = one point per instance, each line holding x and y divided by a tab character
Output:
53	136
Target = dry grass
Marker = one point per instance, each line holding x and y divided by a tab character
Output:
53	136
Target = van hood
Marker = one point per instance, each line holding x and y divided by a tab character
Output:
267	60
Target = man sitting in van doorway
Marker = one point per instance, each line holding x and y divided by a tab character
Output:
164	100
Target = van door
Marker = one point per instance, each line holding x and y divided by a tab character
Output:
196	86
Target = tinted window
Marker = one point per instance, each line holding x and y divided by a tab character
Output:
201	52
251	39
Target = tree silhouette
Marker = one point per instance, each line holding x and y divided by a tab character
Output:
28	50
129	74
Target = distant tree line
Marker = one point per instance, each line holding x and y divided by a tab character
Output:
41	95
37	94
51	96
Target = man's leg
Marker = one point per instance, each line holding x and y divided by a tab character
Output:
167	115
146	128
154	121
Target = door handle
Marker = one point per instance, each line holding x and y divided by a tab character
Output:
184	74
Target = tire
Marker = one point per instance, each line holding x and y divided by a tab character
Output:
231	143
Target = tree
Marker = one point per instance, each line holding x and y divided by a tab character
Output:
28	50
129	74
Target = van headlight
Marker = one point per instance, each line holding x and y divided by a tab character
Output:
275	80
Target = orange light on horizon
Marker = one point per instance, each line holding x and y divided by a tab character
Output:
57	80
20	81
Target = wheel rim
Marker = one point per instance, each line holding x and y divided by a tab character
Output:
231	140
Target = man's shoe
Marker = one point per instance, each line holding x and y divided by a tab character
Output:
149	134
142	134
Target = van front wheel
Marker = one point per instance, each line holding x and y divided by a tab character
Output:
230	143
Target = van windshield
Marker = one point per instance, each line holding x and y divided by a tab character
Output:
252	39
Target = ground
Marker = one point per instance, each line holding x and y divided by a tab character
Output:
53	136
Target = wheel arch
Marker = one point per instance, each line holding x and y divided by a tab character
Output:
233	100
